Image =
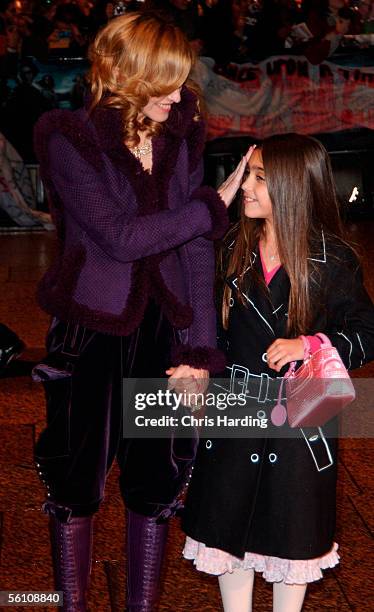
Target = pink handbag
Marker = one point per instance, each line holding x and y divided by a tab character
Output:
317	391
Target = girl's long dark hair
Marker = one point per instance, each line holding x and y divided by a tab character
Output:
302	191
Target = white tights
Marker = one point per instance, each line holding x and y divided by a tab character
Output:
288	597
236	592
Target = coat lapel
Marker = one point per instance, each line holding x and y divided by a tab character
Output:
270	308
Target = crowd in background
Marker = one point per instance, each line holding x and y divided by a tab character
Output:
226	30
238	30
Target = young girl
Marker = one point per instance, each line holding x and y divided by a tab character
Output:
268	505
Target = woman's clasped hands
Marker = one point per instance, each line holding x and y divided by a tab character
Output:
191	382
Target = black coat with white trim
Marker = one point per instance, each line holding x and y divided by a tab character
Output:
276	496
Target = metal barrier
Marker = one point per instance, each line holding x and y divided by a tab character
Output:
37	185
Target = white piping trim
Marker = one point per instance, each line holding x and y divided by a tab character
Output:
234	282
324	251
363	352
276	310
326	447
259	313
351	346
265	377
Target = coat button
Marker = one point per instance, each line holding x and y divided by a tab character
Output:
273	457
255	458
208	444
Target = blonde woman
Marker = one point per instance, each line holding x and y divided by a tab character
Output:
131	292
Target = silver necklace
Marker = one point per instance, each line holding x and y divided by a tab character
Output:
272	257
142	150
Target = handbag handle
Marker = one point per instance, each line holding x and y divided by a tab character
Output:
325	340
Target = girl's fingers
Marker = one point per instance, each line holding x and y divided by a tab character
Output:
274	355
243	163
239	169
249	152
282	362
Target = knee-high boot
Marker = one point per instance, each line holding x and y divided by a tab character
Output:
72	551
145	552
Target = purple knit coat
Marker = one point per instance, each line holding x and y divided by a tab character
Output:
127	235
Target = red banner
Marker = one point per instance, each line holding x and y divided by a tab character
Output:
286	94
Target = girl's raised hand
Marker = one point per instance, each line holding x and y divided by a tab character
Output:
229	188
284	351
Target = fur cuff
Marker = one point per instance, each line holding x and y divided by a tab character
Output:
217	209
200	357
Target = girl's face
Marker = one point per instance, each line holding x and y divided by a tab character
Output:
158	109
256	200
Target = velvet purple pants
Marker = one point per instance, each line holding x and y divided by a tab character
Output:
84	434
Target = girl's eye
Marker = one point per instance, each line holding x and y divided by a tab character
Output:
260	178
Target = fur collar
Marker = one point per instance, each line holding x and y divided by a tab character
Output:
102	130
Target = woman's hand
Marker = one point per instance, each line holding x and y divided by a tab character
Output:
229	188
184	379
284	351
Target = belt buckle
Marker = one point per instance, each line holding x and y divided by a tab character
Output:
319	437
264	388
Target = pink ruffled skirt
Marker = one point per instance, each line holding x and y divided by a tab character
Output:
274	569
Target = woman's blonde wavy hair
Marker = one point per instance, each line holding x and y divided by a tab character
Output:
136	57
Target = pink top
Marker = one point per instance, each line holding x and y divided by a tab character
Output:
314	341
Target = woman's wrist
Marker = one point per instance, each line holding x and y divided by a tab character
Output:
217	210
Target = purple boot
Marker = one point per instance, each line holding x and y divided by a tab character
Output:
72	551
145	552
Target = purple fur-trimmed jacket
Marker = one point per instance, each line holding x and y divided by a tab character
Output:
127	235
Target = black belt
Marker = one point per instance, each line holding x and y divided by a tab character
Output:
260	387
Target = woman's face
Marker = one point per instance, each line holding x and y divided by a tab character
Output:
256	200
158	109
